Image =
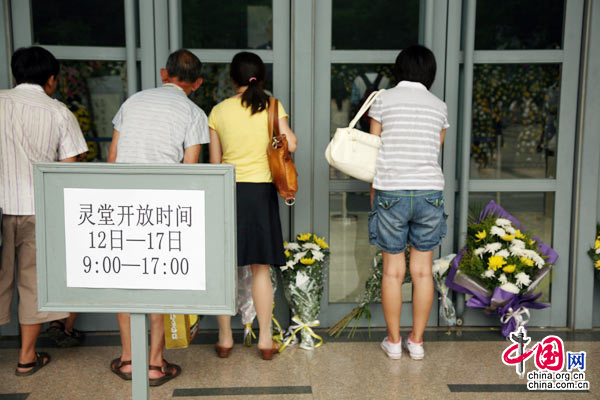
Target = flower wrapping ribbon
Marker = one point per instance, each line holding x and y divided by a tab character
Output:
297	327
248	331
278	337
520	318
503	303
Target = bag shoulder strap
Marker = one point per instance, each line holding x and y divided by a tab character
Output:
273	118
368	102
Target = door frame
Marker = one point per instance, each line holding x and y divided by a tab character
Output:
433	35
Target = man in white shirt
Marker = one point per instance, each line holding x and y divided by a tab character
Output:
160	125
34	128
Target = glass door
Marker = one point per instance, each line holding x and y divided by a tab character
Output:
355	47
215	35
102	63
94	77
518	94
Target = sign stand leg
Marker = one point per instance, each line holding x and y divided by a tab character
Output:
139	357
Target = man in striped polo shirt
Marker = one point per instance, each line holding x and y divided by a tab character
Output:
33	128
160	125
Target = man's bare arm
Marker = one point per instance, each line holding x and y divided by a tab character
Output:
192	154
112	150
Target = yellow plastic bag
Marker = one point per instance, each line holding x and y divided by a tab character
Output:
180	330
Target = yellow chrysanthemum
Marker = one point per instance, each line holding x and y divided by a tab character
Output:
597	244
320	242
519	235
531	242
527	261
480	235
509	269
597	264
304	237
496	262
287	253
307	261
285	244
508	238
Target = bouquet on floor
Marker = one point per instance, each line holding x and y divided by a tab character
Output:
594	252
372	294
500	266
441	266
303	287
246	305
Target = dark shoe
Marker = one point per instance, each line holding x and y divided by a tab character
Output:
267	354
115	367
222	352
35	366
56	332
170	371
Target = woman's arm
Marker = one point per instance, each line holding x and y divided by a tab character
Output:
284	129
442	136
214	148
375	128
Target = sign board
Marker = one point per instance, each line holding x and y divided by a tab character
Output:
136	238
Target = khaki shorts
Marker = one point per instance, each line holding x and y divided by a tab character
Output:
18	243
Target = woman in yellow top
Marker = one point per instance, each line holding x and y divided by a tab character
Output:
239	136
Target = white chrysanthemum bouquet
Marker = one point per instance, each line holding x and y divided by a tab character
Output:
303	286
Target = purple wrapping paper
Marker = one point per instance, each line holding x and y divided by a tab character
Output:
500	301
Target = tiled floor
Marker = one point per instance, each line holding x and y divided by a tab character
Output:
341	369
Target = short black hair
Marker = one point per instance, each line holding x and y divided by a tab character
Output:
416	64
184	65
33	65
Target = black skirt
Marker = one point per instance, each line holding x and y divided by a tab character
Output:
259	237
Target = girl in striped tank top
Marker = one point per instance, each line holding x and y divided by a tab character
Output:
407	202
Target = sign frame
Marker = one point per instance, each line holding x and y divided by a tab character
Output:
218	182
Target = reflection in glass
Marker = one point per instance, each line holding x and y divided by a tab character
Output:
537	24
234	24
351	84
535	211
515	120
351	254
374	24
217	86
93	91
77	23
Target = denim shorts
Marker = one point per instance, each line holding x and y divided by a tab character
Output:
407	217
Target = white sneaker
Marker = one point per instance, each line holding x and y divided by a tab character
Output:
393	350
415	350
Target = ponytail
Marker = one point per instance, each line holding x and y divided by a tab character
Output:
255	97
247	69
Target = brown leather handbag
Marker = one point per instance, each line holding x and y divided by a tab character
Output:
283	170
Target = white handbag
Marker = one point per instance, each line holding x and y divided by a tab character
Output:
352	151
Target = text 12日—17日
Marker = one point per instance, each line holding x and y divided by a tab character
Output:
135	239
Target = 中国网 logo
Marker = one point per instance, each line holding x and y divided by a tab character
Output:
549	357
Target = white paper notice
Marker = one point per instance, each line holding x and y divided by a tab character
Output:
135	239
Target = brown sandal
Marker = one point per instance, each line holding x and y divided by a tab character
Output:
115	367
222	352
35	365
267	354
170	371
